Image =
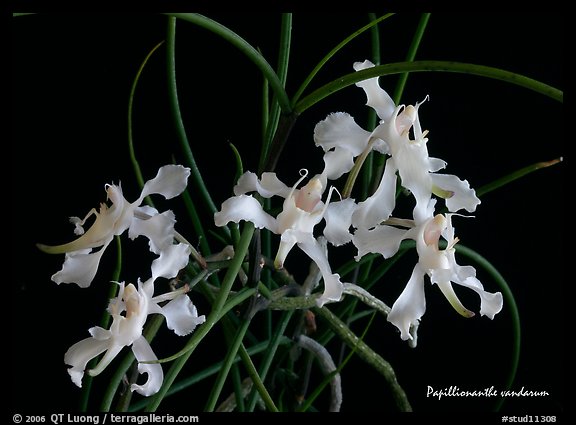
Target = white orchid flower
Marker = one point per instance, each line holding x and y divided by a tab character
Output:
129	311
439	264
302	210
83	254
339	135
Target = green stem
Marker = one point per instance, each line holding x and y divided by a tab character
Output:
283	130
179	123
368	355
332	52
258	384
515	175
196	223
234	348
427	66
375	39
339	369
245	48
410	56
283	61
238	391
510	301
211	320
269	356
368	169
132	152
207	372
226	365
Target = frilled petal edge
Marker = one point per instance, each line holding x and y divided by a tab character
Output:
159	229
463	196
338	217
171	260
181	315
269	185
170	181
245	207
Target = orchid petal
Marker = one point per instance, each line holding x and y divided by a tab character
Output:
80	267
172	259
79	354
143	352
181	315
383	240
170	181
333	287
338	217
145	211
490	303
293	217
337	162
380	205
109	221
463	196
339	130
410	305
159	229
288	239
112	351
270	185
436	164
377	98
245	207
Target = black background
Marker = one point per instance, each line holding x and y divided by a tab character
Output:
71	77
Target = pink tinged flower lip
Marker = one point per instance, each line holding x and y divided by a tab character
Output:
405	119
309	195
132	301
302	209
433	230
124	329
